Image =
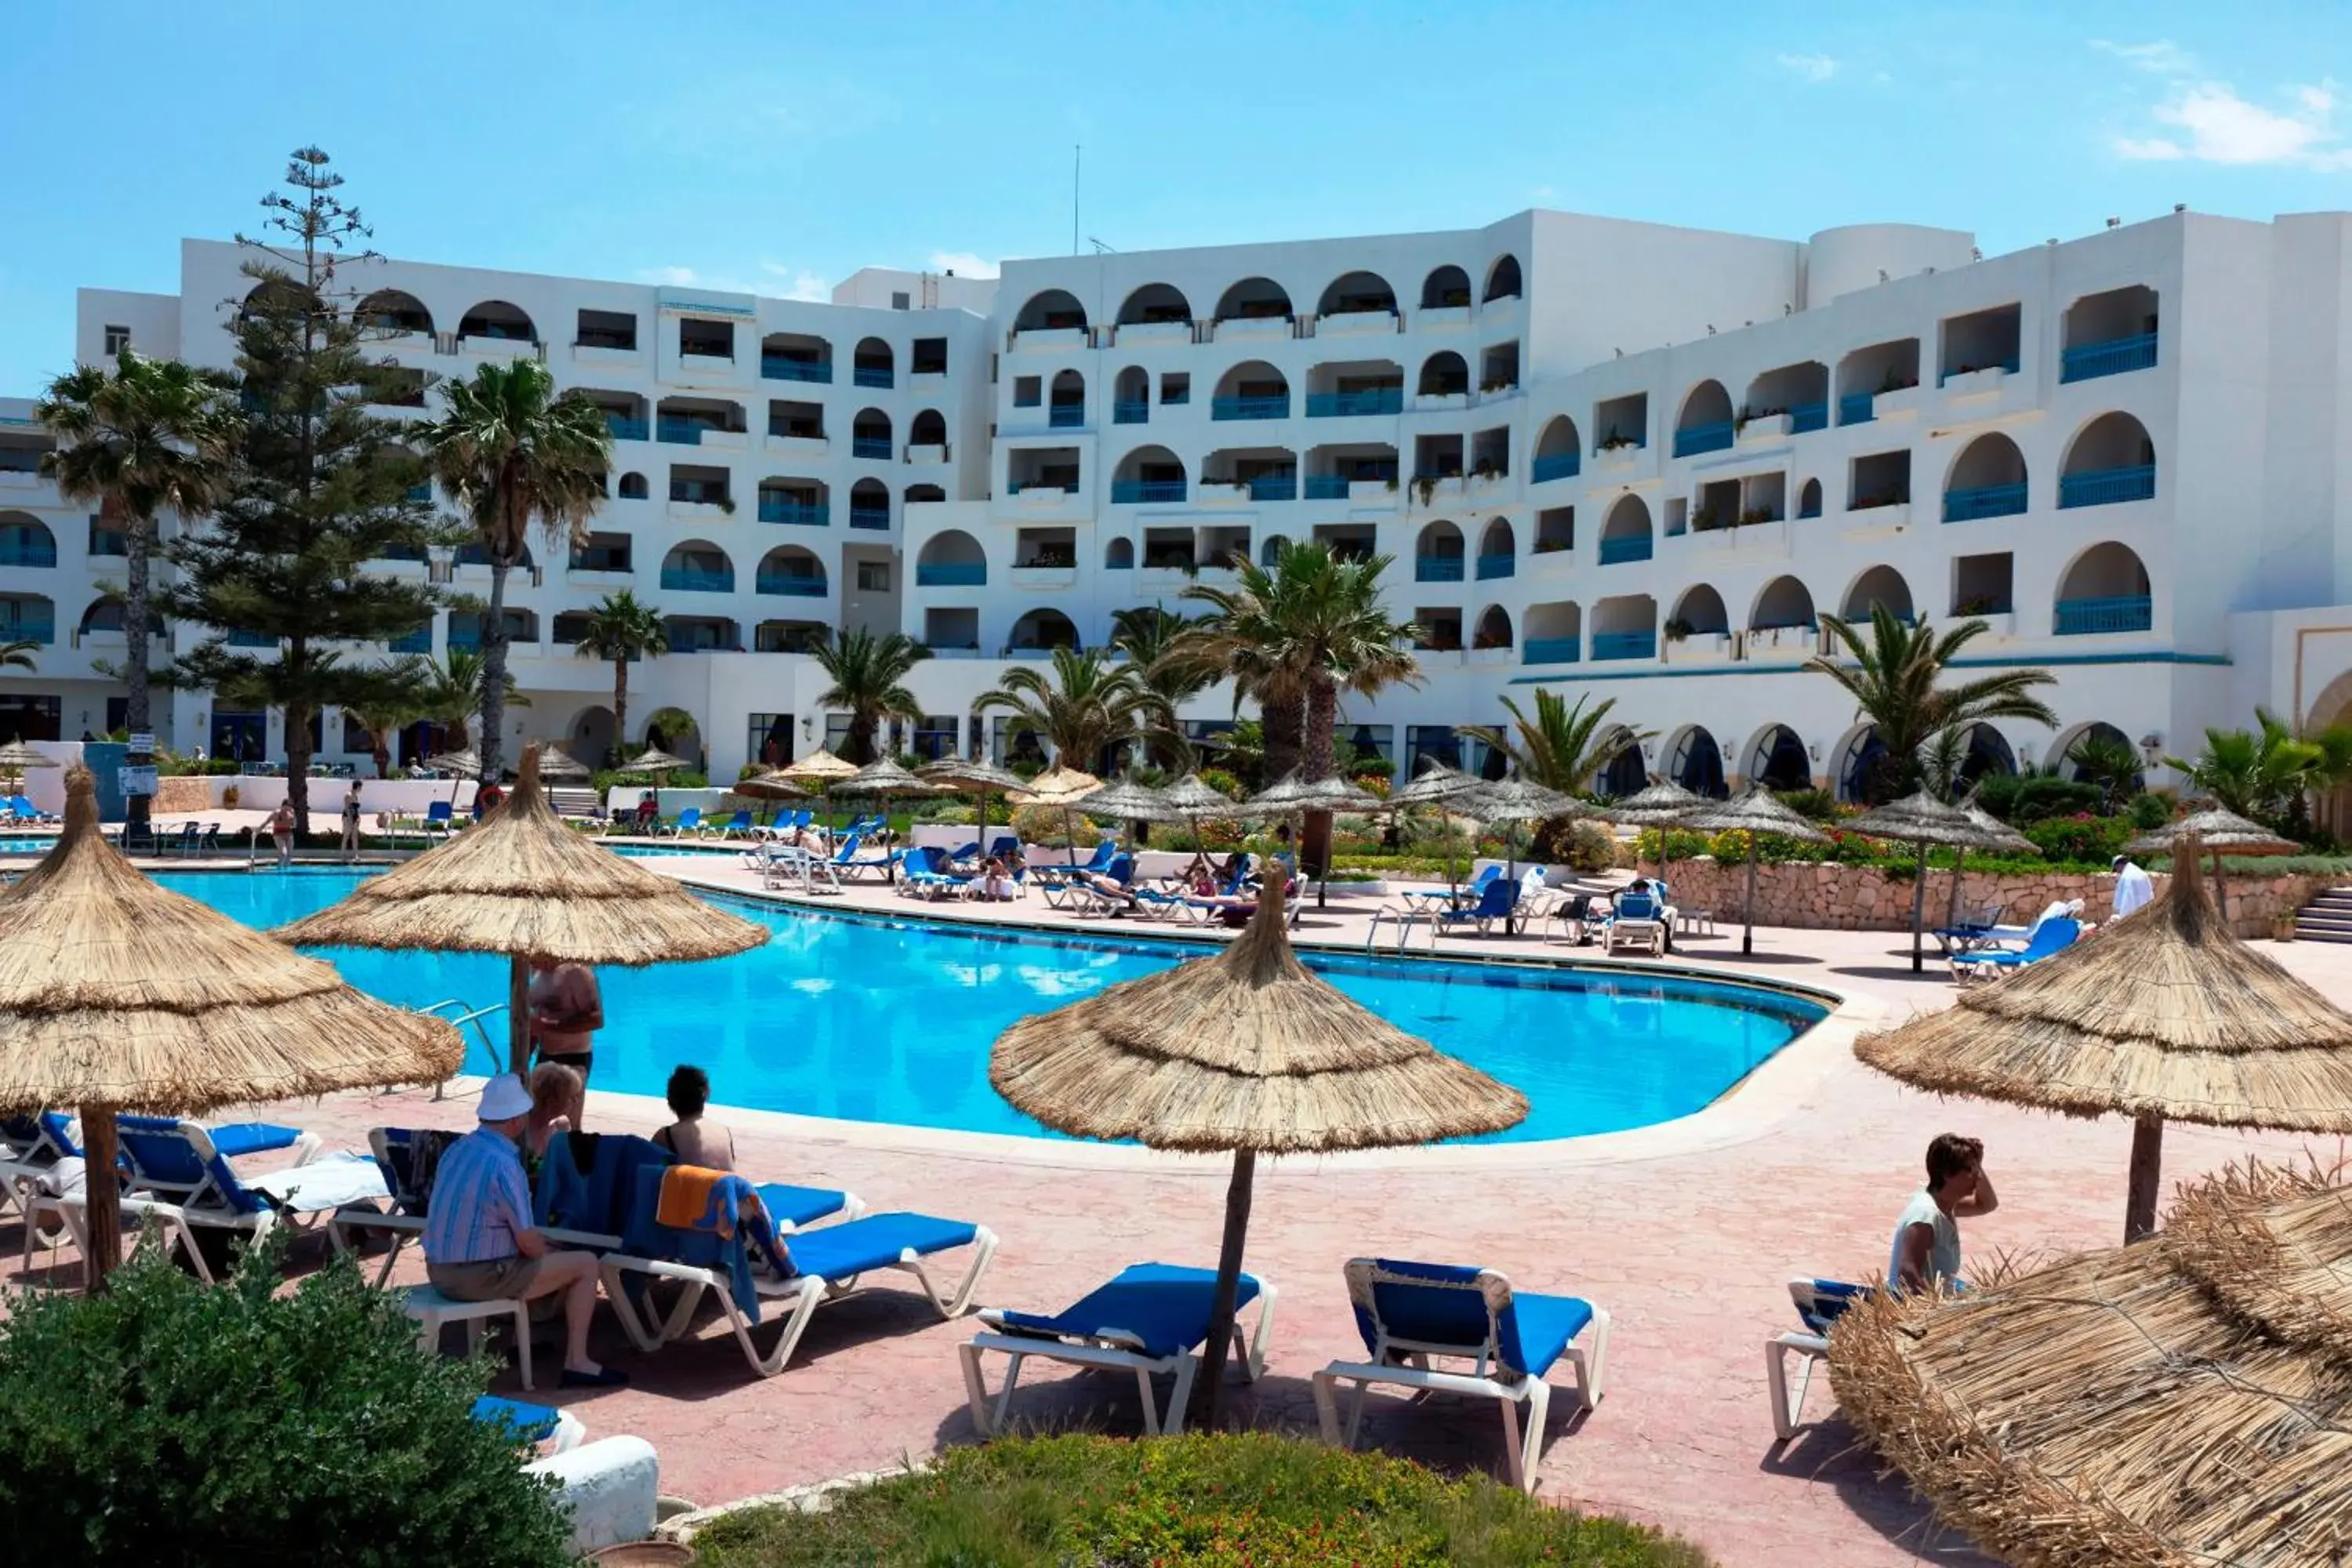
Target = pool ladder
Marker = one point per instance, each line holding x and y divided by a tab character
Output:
462	1017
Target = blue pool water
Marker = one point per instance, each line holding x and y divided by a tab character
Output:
892	1021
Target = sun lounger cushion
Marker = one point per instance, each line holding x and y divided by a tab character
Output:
252	1137
1530	1331
531	1424
877	1241
795	1206
1163	1305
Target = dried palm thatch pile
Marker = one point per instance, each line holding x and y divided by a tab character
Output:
2187	1400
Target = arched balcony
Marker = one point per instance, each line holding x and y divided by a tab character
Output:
1555	633
1491	630
951	559
1130	397
1794	400
926	436
1626	535
1446	287
1147	475
791	572
1785	605
1498	550
918	494
1503	279
1698	613
1154	305
1053	311
697	567
2109	333
1809	499
795	356
1041	630
25	541
105	613
635	487
1270	549
497	321
1365	295
27	617
1704	424
873	364
869	504
869	435
1987	480
1557	454
2105	590
394	311
1251	390
1444	374
1881	587
2110	460
1254	299
1438	554
1626	628
1119	555
1066	401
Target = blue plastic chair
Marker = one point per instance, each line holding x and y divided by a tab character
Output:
1411	1314
1497	900
2052	935
736	826
440	814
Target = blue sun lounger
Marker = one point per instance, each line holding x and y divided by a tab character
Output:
1151	1319
1411	1314
1818	1303
827	1265
179	1174
2051	936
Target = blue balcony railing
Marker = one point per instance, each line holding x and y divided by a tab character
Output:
1274	487
241	638
29	630
796	513
877	447
1492	567
1557	466
2123	613
627	429
1693	439
776	367
1138	492
1437	568
1624	645
1340	404
1130	411
1249	408
791	585
1804	418
28	552
418	641
695	580
1550	650
683	432
1625	547
2102	486
466	637
2111	358
873	375
1327	487
952	574
869	517
1984	500
1066	415
1855	408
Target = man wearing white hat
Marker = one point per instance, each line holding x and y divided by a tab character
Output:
481	1243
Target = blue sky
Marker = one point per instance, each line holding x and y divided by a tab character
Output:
780	147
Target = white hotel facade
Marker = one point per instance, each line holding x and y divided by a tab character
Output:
1607	458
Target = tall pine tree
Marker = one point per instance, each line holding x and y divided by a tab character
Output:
321	489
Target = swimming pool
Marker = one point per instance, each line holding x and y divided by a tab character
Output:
891	1020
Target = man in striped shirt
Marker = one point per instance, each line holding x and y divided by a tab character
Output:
481	1243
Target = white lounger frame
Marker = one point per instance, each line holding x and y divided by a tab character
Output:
1789	1404
801	1295
1410	1368
1111	1348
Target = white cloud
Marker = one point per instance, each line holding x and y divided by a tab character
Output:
675	276
2211	124
962	263
774	279
2160	57
1814	68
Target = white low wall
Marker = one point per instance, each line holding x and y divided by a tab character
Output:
612	1488
378	798
713	802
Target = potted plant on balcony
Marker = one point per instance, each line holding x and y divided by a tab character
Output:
1550	546
1614	442
1424	487
1677	629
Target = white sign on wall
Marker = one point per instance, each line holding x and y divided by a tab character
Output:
138	781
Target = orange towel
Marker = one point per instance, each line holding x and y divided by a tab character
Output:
686	1192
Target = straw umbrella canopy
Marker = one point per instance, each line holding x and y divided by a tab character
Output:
1922	819
1753	810
1124	798
974	777
1293	797
820	768
652	760
770	786
884	779
17	756
1062	786
1516	801
1660	806
1999	838
2180	1400
555	762
1247	1052
1438	785
463	764
2163	1017
118	995
524	885
2218	829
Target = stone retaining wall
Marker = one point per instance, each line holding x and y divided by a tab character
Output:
1827	896
182	793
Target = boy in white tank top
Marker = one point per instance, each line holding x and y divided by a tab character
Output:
1925	1254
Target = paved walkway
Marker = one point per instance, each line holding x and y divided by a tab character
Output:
1685	1237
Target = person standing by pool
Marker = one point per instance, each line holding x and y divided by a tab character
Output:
1926	1251
567	1008
281	831
481	1244
351	823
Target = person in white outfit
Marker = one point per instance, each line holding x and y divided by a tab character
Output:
2134	888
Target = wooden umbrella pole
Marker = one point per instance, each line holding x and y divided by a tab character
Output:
1229	1280
102	1196
1747	936
2147	1174
519	1014
2220	891
1919	912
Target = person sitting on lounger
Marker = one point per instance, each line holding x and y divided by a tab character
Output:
1109	886
481	1244
648	811
559	1101
1927	1250
996	882
694	1140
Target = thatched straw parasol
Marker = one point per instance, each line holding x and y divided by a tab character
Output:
1753	810
524	885
17	756
462	764
1294	797
2179	1401
2164	1016
973	777
1064	787
555	762
1124	798
652	760
1247	1052
1662	805
770	786
1999	838
1515	800
2219	831
1921	819
820	766
1440	786
117	995
885	780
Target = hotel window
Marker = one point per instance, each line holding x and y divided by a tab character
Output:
117	340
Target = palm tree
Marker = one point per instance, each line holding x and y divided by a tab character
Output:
450	693
2268	772
152	436
621	627
510	453
1562	748
1301	634
1893	676
18	655
395	704
867	671
2108	761
1081	704
1172	668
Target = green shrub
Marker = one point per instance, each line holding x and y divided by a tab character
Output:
1194	1501
1813	804
171	1423
1223	783
2148	812
2093	840
2044	796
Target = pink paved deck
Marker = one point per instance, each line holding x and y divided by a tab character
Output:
1687	1249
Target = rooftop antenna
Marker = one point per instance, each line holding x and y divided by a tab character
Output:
1100	249
1078	158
